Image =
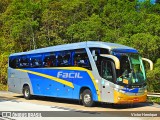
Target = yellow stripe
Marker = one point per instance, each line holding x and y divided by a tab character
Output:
90	74
95	84
49	77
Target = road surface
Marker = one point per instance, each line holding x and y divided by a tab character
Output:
15	102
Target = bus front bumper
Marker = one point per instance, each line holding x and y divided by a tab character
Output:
122	98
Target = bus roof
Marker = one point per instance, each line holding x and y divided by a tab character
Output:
78	45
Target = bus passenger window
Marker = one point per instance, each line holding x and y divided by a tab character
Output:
36	61
13	62
81	59
49	60
98	51
24	62
64	59
59	61
67	59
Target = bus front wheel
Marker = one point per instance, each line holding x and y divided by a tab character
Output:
26	92
87	98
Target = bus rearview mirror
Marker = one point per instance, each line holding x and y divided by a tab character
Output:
93	52
95	58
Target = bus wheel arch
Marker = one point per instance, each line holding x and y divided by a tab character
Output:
86	96
26	92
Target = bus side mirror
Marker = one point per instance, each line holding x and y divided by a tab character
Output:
93	52
150	62
95	58
94	55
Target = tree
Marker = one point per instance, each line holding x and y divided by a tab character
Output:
89	29
51	23
21	23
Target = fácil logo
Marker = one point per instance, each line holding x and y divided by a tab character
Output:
69	75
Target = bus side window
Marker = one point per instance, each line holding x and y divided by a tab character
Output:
59	60
49	60
67	59
81	59
107	71
64	59
24	62
13	62
36	61
98	51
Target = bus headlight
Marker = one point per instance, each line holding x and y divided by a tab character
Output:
118	98
145	91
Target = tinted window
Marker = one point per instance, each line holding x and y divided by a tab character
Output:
24	62
100	50
98	59
49	60
81	59
64	59
107	71
13	62
36	61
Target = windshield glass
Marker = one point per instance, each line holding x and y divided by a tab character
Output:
137	69
131	69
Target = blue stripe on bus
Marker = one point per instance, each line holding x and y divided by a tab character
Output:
125	50
134	90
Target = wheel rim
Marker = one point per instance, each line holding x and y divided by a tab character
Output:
87	99
26	93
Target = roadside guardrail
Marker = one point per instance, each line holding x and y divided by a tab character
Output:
153	94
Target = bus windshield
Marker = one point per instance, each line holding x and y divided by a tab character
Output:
138	70
132	70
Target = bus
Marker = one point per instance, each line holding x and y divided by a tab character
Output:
89	71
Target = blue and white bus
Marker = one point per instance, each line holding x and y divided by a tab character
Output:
88	71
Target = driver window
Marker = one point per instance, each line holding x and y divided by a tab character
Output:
107	71
125	66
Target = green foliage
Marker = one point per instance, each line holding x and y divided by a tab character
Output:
3	87
153	81
154	99
5	49
91	29
145	43
30	24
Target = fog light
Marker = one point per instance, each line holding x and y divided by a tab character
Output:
118	98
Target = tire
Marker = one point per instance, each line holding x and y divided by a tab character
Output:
26	93
87	98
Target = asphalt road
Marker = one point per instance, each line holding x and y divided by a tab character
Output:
49	107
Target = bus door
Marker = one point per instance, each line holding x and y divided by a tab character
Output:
108	77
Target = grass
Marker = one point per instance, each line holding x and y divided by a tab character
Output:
3	87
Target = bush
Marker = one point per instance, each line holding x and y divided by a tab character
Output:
3	87
153	78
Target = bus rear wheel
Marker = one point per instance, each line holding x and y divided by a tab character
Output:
87	98
26	92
